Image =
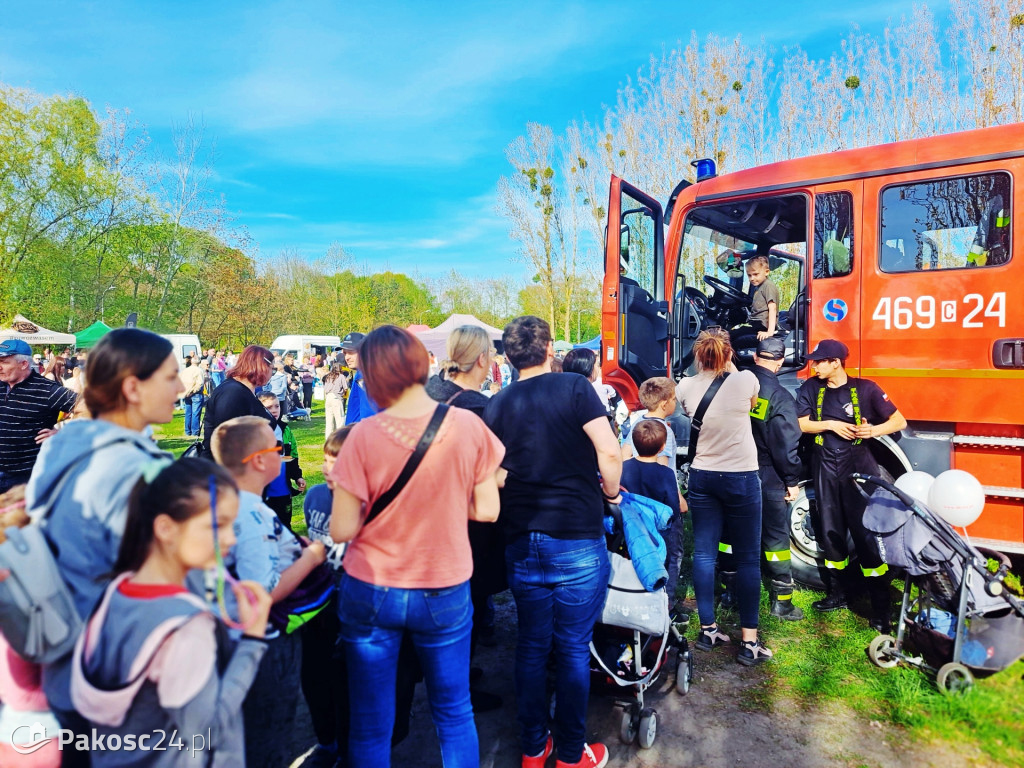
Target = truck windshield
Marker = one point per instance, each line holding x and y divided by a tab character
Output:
718	240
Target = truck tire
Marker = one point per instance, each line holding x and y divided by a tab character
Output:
806	557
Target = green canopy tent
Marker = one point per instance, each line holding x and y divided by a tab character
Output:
87	337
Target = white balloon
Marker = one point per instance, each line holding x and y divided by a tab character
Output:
915	484
957	497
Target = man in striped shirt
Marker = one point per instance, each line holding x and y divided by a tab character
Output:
30	406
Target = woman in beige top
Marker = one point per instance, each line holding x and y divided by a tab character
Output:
725	491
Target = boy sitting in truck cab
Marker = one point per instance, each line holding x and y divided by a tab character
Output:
763	314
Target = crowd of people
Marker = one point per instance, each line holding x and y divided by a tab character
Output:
445	483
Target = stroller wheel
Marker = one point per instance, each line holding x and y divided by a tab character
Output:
628	724
648	728
684	672
954	678
881	651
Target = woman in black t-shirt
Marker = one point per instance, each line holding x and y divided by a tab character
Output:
470	352
558	444
235	397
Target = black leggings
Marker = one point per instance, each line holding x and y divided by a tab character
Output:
325	680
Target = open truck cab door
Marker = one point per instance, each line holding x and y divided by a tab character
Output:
635	317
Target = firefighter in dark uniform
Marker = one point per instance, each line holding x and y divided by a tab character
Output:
777	436
843	413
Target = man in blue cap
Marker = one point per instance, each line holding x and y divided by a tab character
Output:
360	406
843	413
30	406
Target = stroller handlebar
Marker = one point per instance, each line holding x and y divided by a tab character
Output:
865	480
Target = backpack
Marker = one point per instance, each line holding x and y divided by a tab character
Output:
37	614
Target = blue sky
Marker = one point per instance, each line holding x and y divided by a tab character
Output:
381	127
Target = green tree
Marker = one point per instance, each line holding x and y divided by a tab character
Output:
54	179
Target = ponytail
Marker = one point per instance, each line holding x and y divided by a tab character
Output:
713	351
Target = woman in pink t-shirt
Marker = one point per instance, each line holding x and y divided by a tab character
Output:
409	568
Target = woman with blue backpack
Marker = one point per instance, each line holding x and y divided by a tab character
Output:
85	473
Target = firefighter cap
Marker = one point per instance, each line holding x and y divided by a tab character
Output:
772	348
828	349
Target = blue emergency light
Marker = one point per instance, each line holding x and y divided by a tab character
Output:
705	168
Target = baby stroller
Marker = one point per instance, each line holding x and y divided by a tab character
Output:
962	622
631	642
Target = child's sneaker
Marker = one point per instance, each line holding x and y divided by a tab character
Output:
753	652
711	637
594	756
537	761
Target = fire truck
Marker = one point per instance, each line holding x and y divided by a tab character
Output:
905	252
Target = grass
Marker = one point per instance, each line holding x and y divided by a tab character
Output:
819	661
308	434
822	660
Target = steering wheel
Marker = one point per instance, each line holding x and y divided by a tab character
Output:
727	290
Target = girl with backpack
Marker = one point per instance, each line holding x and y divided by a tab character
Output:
153	657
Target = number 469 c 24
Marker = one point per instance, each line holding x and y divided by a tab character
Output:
972	311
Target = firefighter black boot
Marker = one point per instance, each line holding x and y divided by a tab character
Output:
836	597
727	600
782	601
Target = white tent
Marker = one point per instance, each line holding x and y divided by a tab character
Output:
30	333
436	339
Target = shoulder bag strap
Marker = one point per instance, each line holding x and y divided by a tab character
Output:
698	416
455	397
410	466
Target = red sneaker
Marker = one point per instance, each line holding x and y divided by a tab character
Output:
537	761
594	756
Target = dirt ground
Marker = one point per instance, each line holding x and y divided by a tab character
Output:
710	727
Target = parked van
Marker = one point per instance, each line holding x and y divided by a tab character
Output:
185	344
304	346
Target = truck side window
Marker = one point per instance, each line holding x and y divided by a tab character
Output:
949	223
637	244
833	234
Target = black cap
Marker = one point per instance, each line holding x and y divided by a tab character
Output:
772	348
828	349
353	341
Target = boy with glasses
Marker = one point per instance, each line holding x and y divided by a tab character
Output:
268	553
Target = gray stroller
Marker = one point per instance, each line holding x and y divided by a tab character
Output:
957	619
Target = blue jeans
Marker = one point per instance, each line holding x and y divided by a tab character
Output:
217	378
732	500
373	620
194	413
559	586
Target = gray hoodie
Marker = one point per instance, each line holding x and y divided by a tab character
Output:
103	462
157	663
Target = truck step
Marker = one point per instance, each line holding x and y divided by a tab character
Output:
1003	492
992	442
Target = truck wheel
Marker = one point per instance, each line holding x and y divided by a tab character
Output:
807	558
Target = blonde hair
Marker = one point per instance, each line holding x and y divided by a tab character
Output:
12	510
713	351
656	390
235	439
465	345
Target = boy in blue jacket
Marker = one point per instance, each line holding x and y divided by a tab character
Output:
644	476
